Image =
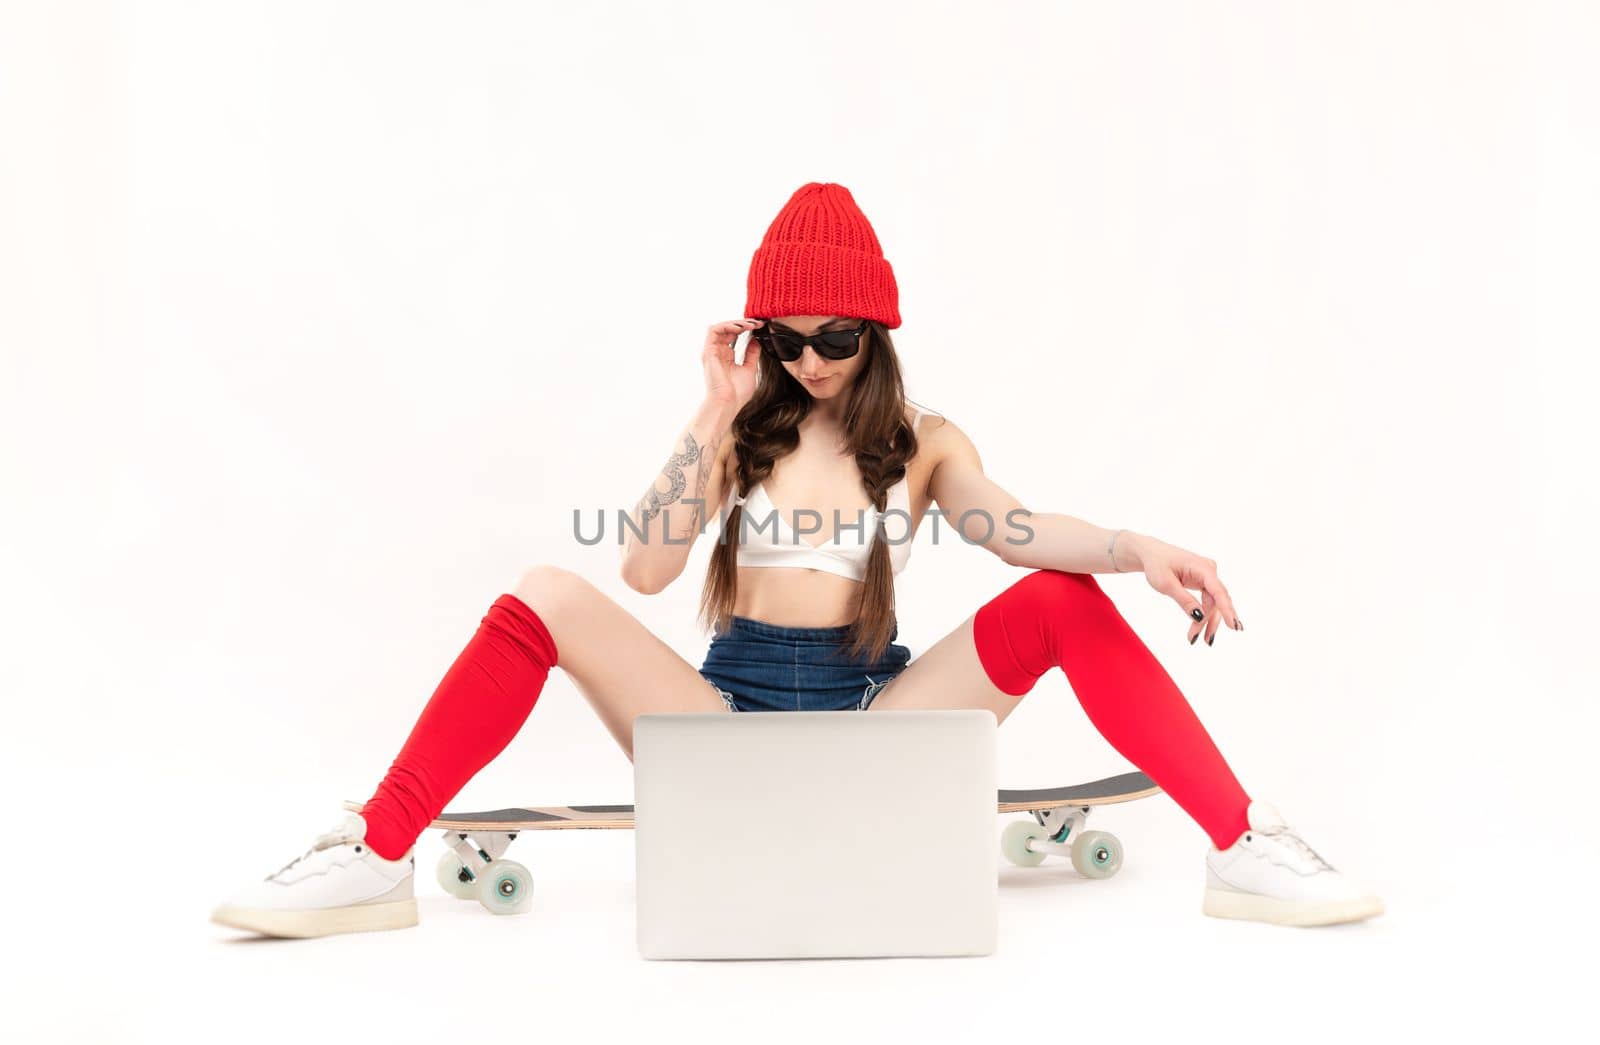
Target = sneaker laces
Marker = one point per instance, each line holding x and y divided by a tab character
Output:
1285	834
340	835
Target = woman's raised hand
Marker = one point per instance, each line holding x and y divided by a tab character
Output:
1173	571
728	382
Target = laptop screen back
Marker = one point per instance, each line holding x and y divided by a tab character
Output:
816	834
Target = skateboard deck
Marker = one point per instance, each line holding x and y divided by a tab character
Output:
473	865
1122	788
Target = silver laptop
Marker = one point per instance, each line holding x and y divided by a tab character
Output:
816	834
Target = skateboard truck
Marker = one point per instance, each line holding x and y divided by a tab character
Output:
1060	830
472	868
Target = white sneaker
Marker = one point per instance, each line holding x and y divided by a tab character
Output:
339	885
1271	875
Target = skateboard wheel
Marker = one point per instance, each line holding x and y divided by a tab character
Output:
455	879
1014	843
1097	854
505	887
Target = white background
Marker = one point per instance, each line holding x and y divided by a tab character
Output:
318	321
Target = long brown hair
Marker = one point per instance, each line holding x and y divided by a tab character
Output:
875	431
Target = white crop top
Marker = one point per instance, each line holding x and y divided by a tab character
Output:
767	539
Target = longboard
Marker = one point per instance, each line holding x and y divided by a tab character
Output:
1123	788
474	867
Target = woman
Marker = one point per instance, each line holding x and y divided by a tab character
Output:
814	415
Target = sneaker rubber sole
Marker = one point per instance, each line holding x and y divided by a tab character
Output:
1224	903
357	918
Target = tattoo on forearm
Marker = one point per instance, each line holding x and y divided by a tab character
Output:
655	500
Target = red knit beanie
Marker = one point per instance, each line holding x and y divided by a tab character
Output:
820	257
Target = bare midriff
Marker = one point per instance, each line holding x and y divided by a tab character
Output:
796	598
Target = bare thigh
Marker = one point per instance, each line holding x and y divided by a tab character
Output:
619	666
949	675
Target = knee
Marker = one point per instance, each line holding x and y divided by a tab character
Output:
551	590
1027	629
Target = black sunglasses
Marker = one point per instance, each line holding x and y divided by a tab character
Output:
829	344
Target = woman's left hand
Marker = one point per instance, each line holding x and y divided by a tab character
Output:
1172	571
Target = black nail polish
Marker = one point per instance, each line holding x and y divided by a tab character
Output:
1196	635
1211	640
1196	614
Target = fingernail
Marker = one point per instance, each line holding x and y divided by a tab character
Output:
1196	635
1211	640
1197	615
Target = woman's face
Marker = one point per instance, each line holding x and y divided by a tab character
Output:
823	378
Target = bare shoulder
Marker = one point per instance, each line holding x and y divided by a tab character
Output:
940	439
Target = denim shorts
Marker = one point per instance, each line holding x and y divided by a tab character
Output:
757	666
